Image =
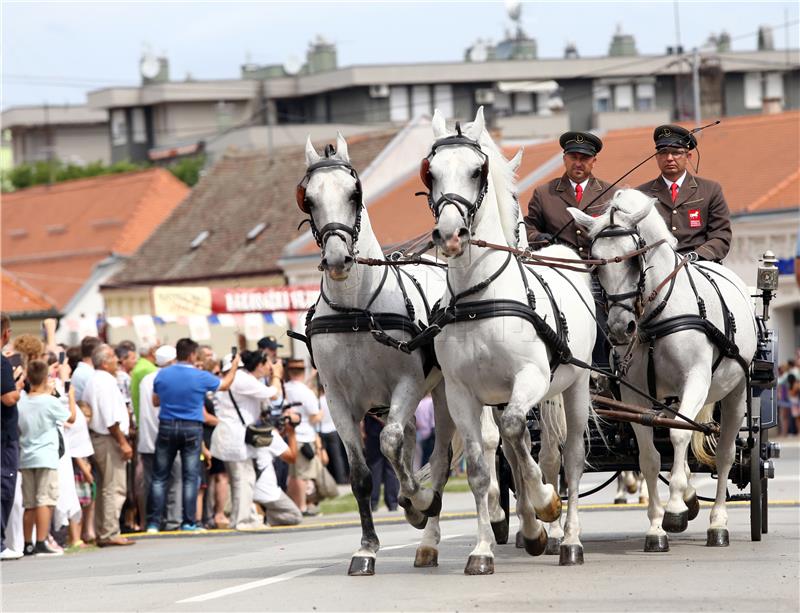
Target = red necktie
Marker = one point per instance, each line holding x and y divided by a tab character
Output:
674	188
579	193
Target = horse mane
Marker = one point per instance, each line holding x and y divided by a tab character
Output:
505	188
627	205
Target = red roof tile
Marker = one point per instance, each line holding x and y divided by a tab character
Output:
19	297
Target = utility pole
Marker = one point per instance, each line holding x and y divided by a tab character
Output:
696	85
48	144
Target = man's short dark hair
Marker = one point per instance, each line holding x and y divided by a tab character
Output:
184	348
5	323
129	345
88	345
37	372
122	351
252	359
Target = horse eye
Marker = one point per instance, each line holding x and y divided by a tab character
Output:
476	173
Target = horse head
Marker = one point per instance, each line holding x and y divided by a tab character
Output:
330	194
614	233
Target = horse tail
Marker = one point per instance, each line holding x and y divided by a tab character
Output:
554	419
423	475
704	447
598	427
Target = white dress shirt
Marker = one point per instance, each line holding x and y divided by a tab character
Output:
148	415
108	405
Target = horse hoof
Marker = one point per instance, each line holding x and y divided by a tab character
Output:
426	557
694	506
552	511
675	522
500	529
717	537
644	500
631	487
570	555
518	541
435	507
553	546
535	546
621	500
479	565
413	517
361	566
656	543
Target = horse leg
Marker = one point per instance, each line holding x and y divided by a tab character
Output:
644	498
656	539
576	410
621	496
491	439
676	515
466	415
550	463
427	554
534	497
690	495
363	561
731	416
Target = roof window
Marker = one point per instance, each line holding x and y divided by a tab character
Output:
56	229
198	240
18	233
256	230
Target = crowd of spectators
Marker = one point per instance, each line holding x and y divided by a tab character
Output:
789	398
99	441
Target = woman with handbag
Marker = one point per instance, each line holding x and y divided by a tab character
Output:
235	438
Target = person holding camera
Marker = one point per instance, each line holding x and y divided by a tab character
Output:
237	408
299	395
280	509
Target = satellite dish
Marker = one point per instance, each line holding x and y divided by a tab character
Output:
514	9
292	65
149	66
478	53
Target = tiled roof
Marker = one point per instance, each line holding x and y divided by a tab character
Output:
18	297
754	158
238	193
53	236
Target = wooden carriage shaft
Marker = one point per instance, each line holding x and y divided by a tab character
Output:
648	420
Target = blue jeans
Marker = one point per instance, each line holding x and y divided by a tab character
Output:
173	436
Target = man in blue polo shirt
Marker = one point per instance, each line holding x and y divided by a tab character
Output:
179	391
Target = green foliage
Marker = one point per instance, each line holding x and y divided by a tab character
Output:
55	171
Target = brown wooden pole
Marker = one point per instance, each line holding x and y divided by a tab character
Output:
651	420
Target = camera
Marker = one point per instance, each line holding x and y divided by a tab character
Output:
278	420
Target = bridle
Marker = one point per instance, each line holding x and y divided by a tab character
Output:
614	230
466	209
321	235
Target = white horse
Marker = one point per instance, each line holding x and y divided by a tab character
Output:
630	482
498	358
360	373
700	376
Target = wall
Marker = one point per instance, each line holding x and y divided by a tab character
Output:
631	119
533	126
355	105
579	103
190	121
71	143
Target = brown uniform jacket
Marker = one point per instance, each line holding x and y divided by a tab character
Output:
699	219
547	211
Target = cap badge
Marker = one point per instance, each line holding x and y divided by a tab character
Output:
579	138
666	132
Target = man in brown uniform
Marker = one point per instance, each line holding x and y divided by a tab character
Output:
693	208
577	187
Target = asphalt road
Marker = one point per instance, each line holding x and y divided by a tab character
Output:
304	570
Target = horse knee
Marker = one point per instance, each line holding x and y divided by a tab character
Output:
391	439
512	425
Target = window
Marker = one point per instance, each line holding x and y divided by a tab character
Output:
623	97
443	100
502	104
645	97
752	90
523	103
420	100
398	103
198	240
138	124
602	98
119	127
774	86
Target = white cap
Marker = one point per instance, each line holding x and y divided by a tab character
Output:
165	354
227	362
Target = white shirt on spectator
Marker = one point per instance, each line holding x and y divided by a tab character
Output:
124	384
326	426
297	391
76	437
227	441
266	489
148	415
108	405
83	372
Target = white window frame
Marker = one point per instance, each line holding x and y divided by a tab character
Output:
602	96
119	127
623	97
774	86
138	125
398	103
443	100
420	100
752	90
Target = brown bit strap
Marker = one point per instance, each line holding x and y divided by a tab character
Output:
684	261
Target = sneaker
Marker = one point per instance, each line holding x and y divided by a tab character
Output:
29	549
192	528
152	529
250	527
43	548
10	554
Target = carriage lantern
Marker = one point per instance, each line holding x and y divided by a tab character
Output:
767	280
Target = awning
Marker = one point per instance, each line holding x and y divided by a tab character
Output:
537	87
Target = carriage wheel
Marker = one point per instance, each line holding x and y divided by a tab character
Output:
755	488
764	488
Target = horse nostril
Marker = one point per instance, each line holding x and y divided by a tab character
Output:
631	327
463	232
348	261
436	235
323	263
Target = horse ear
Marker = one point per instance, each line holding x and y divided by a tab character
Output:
581	218
477	126
312	157
438	125
341	148
516	161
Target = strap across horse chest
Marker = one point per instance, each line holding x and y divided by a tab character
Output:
724	341
554	340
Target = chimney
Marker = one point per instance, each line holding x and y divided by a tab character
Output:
622	45
765	42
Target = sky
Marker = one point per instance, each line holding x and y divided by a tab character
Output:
55	52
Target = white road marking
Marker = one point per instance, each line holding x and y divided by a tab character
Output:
249	586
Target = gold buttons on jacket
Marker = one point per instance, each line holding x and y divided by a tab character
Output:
578	232
674	211
674	228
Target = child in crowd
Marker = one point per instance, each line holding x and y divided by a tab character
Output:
39	414
81	451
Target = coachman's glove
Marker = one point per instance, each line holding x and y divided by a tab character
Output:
543	238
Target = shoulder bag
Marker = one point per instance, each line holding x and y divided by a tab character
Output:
255	435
